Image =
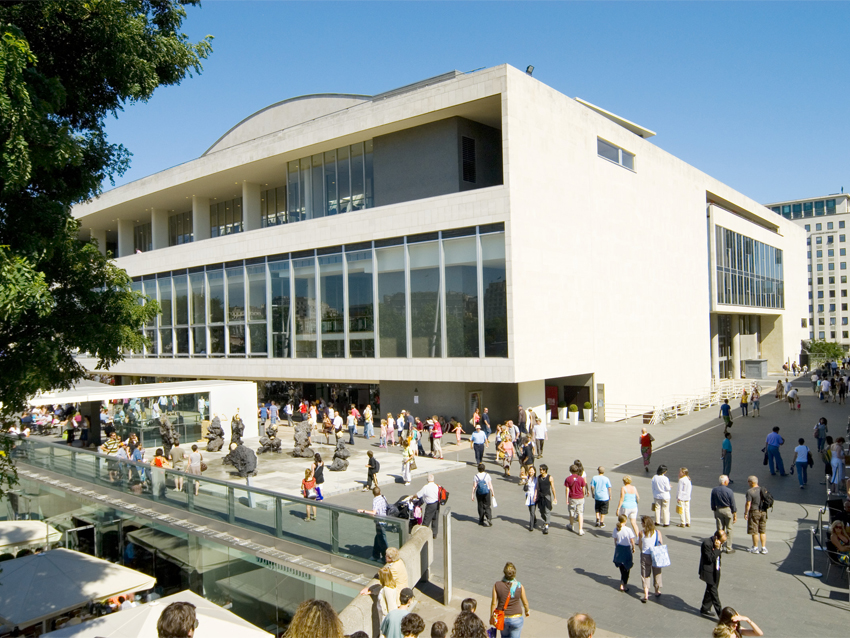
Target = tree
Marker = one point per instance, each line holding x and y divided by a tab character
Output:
65	66
823	350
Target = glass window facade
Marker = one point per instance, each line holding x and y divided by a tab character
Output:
806	209
142	237
226	218
180	229
749	273
401	297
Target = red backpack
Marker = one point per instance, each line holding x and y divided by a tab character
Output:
442	495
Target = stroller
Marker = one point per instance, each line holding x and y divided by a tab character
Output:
409	508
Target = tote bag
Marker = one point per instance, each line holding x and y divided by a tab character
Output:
660	557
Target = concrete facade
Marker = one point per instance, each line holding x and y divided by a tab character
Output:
608	267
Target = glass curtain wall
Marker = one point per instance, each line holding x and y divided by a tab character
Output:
392	302
273	207
361	319
180	229
425	294
428	290
333	306
226	218
143	237
749	273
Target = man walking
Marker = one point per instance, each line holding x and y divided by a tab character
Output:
726	415
545	496
709	572
600	486
661	496
541	435
773	442
482	491
478	441
430	494
756	517
274	413
725	511
575	485
521	420
726	454
486	419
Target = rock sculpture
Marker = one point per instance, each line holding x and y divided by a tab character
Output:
237	428
340	460
302	440
215	435
269	442
242	459
167	434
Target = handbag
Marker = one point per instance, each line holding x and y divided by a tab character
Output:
412	464
203	467
660	557
679	509
493	502
498	619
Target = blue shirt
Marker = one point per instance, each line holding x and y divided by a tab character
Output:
478	437
725	409
264	413
727	445
774	439
600	485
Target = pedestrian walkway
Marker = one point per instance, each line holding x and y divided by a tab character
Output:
565	573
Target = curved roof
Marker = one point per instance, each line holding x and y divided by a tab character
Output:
285	114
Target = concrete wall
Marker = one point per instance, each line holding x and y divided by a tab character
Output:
425	161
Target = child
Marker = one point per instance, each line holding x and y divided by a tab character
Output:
373	467
383	433
439	630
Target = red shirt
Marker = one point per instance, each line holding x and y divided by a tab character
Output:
646	440
575	484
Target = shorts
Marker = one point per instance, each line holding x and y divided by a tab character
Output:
601	507
756	522
792	399
629	512
727	419
576	506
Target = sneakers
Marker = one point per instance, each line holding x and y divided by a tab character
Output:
754	550
546	530
569	528
601	524
581	532
764	550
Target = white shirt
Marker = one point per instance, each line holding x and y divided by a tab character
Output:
430	493
802	453
337	422
127	605
788	387
824	386
661	487
540	431
624	536
685	488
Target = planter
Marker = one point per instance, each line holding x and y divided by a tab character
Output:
588	415
573	418
562	415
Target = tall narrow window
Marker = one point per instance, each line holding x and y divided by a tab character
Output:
279	274
236	310
361	324
461	268
392	305
333	306
425	324
256	274
468	159
495	295
304	273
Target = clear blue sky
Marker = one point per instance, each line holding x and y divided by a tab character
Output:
755	94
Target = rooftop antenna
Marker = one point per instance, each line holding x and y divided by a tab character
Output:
529	69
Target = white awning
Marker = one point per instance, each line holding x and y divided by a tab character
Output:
140	622
85	392
46	585
26	534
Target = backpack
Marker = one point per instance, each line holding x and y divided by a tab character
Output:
766	499
377	465
443	495
481	486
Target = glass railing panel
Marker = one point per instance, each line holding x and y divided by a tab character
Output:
254	511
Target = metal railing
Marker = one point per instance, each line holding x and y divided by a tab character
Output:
338	530
678	405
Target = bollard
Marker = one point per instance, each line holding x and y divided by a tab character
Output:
812	573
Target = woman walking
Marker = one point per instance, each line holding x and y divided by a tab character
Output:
649	538
755	398
837	462
509	599
391	428
437	431
745	403
195	460
779	389
508	450
457	428
646	440
318	468
629	499
683	497
624	548
531	498
308	491
406	462
383	442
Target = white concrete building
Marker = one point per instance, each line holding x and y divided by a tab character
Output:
825	220
502	243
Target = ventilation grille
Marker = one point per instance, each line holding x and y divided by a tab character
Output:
468	159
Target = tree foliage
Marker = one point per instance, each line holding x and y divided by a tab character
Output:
826	350
65	66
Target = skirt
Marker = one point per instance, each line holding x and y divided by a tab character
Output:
623	556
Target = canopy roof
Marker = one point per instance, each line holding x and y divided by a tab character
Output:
22	533
140	622
85	393
42	586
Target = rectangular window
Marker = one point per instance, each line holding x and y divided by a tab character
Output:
821	335
332	306
468	159
844	320
844	334
820	308
425	307
226	218
819	254
281	298
819	208
304	277
495	295
832	265
818	226
807	209
392	303
844	307
361	312
829	226
256	274
180	229
843	292
615	154
841	238
819	239
843	279
841	224
215	283
832	309
808	228
748	272
843	265
842	252
830	207
832	294
236	310
820	267
142	238
830	252
461	272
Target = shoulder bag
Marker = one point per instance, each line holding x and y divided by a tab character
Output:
498	619
660	557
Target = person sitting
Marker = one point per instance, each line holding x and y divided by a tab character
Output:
839	542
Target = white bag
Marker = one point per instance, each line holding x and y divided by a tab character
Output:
493	502
660	557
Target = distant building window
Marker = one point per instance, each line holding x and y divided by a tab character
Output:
807	209
830	207
844	334
468	157
818	226
180	229
615	154
226	218
821	335
841	238
797	210
142	238
829	225
841	224
808	228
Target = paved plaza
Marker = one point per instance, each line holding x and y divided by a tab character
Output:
565	573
